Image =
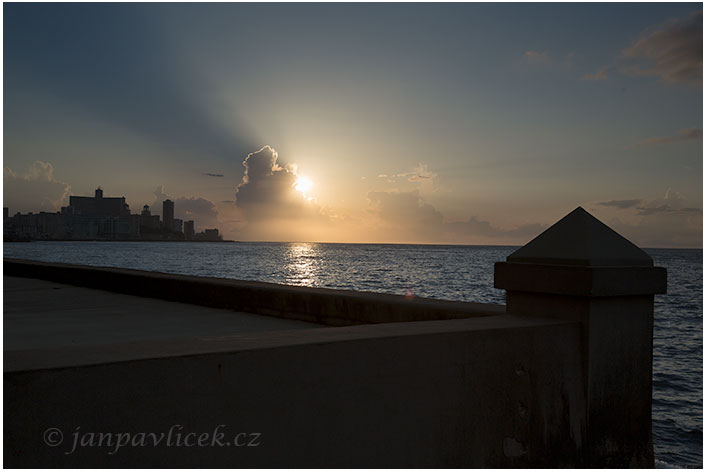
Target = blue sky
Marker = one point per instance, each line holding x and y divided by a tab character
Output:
506	114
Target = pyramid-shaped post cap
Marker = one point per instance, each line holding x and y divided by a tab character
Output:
580	256
579	239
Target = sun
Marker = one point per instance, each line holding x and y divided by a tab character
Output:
302	184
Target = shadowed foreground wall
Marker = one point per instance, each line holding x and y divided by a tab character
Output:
564	378
425	394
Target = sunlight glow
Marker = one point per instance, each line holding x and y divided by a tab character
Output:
303	185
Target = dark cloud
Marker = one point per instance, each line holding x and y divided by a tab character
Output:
212	175
672	202
683	135
405	209
38	189
622	204
201	210
476	227
408	214
672	52
268	189
662	224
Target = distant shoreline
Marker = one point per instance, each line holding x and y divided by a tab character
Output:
298	242
116	241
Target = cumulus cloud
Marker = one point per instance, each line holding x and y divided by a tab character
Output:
413	219
622	204
36	190
160	195
405	209
687	134
201	210
672	52
268	190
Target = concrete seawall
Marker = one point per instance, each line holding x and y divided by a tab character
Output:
560	377
394	395
317	305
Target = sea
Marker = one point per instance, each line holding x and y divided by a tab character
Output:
435	271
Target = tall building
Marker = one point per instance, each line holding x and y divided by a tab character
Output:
99	217
176	225
189	230
98	205
148	220
168	214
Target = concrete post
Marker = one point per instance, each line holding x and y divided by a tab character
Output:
581	270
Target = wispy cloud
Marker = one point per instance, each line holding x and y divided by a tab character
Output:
212	175
672	52
622	204
535	57
683	135
420	173
672	202
600	74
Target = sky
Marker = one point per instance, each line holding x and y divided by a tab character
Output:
400	123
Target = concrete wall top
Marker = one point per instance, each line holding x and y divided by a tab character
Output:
65	357
317	305
580	239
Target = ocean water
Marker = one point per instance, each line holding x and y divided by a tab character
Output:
448	272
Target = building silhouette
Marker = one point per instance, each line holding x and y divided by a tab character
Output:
177	225
208	235
99	217
102	218
189	230
98	205
168	215
149	221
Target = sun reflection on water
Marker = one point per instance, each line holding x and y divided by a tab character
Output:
302	267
